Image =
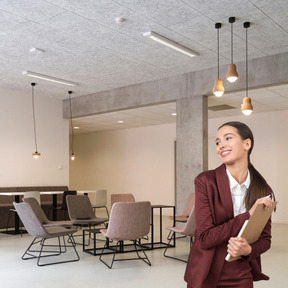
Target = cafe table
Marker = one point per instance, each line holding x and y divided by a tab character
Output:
161	243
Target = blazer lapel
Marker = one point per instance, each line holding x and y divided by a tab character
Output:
224	190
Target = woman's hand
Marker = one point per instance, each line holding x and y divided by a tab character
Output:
267	202
238	246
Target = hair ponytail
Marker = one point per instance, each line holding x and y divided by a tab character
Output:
258	187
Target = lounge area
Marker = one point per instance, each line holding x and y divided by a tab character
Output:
164	272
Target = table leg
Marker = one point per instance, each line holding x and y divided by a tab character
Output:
16	221
161	225
174	224
54	207
152	229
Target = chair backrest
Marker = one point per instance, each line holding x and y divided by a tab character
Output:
121	198
30	220
129	220
33	194
37	209
65	194
190	226
100	198
189	205
79	207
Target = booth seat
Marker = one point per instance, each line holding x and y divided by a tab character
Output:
6	202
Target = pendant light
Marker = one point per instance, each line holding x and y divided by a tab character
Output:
218	89
232	74
72	155
247	107
36	154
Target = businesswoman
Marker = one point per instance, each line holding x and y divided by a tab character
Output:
224	199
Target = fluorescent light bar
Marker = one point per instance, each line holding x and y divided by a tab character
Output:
167	42
49	78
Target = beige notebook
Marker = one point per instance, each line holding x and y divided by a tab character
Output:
252	228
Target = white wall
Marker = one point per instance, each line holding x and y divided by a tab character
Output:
18	167
270	152
140	160
137	160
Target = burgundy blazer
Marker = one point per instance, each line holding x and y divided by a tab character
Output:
215	224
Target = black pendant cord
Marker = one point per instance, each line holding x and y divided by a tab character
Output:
33	109
71	123
246	62
218	26
246	25
231	43
218	51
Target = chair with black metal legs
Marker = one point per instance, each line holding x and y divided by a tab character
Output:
35	228
121	198
129	221
186	211
187	230
81	213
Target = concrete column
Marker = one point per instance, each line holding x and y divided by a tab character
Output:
192	145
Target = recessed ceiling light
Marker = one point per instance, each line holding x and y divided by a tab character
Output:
120	122
174	114
76	127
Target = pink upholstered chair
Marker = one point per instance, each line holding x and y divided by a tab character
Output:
121	198
129	221
187	209
187	230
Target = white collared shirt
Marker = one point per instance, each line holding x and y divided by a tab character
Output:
238	192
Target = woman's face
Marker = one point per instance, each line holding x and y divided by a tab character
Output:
230	147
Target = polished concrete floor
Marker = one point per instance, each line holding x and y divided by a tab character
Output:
90	272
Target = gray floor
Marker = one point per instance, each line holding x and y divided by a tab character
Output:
90	272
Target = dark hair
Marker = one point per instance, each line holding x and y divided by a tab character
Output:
258	186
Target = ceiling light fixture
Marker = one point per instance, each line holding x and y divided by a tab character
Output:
36	154
120	20
169	43
232	74
72	155
35	50
218	89
247	107
49	78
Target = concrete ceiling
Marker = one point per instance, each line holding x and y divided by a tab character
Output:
82	42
